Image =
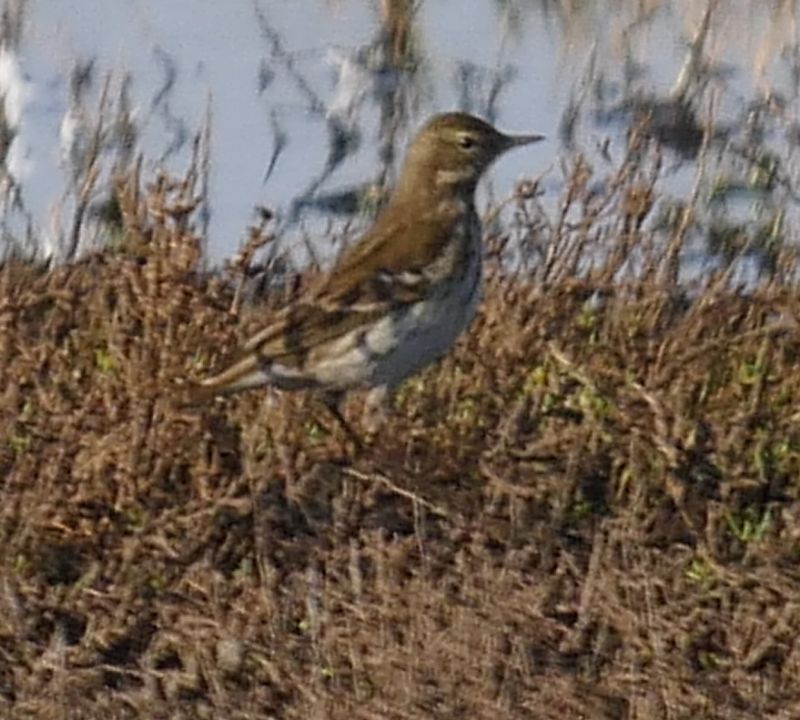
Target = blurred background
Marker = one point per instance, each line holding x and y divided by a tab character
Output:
305	108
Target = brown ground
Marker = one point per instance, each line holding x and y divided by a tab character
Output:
585	511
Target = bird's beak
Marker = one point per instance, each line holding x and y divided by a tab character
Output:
519	140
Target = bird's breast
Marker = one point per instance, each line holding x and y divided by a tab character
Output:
415	334
422	332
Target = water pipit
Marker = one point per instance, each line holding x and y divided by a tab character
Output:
398	298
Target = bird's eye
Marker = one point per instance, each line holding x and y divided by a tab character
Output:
467	142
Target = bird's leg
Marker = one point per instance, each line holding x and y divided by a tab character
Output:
331	400
377	405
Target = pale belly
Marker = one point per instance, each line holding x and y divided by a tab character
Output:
404	342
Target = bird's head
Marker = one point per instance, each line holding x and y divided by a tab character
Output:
453	150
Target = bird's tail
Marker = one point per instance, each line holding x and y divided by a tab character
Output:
240	376
195	395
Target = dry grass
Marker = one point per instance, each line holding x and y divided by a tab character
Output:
589	509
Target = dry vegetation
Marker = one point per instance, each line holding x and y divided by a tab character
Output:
590	509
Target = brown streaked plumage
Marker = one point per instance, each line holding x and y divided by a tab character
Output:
397	299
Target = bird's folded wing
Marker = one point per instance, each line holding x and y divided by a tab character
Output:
306	325
385	271
388	269
286	345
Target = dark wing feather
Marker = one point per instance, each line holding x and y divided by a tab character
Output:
390	260
383	271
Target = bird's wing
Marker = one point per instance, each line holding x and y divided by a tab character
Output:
383	272
392	262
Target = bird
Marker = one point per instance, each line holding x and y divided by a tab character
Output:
399	297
